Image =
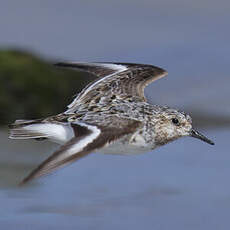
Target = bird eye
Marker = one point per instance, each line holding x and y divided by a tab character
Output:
175	121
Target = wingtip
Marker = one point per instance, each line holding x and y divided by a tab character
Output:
21	183
162	71
25	181
30	177
77	65
59	64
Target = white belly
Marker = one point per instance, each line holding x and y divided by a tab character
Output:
134	144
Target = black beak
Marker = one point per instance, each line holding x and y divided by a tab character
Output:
196	134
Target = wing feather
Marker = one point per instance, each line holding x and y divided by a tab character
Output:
88	138
115	78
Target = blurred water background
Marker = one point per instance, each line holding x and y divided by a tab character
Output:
183	185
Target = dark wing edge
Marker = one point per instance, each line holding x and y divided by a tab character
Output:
95	68
91	138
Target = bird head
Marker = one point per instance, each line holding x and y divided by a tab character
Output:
171	124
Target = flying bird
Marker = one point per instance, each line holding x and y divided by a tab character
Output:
110	115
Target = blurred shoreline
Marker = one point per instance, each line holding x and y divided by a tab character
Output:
31	87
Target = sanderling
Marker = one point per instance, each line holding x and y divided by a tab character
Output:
109	115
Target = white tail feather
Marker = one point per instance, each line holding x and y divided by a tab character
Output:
59	133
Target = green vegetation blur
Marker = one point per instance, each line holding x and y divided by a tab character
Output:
31	88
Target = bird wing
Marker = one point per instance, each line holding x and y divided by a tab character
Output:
123	79
87	138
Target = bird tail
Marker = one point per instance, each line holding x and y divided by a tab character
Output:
27	129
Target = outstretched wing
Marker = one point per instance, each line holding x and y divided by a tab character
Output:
123	79
87	139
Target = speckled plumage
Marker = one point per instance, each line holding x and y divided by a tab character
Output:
110	115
